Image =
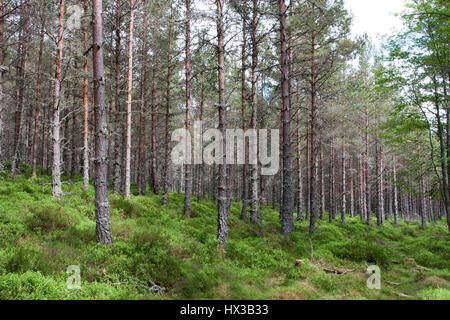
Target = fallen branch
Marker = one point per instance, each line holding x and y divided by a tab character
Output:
402	295
154	287
394	283
338	270
420	268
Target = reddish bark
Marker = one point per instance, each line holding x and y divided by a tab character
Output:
85	104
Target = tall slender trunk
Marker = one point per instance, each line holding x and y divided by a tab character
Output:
366	171
129	103
443	163
377	182
20	82
308	166
103	225
352	188
38	101
244	121
154	145
202	176
291	86
2	155
56	170
254	192
300	207
422	214
143	107
65	134
167	116
287	217
75	157
381	199
447	148
118	127
223	206
332	186
362	188
395	192
344	178
322	181
188	169
85	104
312	190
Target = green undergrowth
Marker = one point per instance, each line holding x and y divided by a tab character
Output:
159	254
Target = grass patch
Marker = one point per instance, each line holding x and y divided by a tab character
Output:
155	244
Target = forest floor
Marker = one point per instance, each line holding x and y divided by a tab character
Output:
159	254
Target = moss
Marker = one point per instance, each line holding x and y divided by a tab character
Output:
360	251
435	294
49	218
155	244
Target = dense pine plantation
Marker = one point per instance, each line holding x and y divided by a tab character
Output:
223	149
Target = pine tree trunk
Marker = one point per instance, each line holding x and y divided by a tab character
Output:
352	188
65	133
366	171
38	101
103	226
381	205
287	217
223	206
244	121
56	170
377	182
362	188
202	176
332	186
308	166
2	151
300	171
188	169
167	116
154	145
322	181
312	190
85	104
129	104
143	108
75	134
254	179
20	83
118	126
395	192
344	179
422	214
